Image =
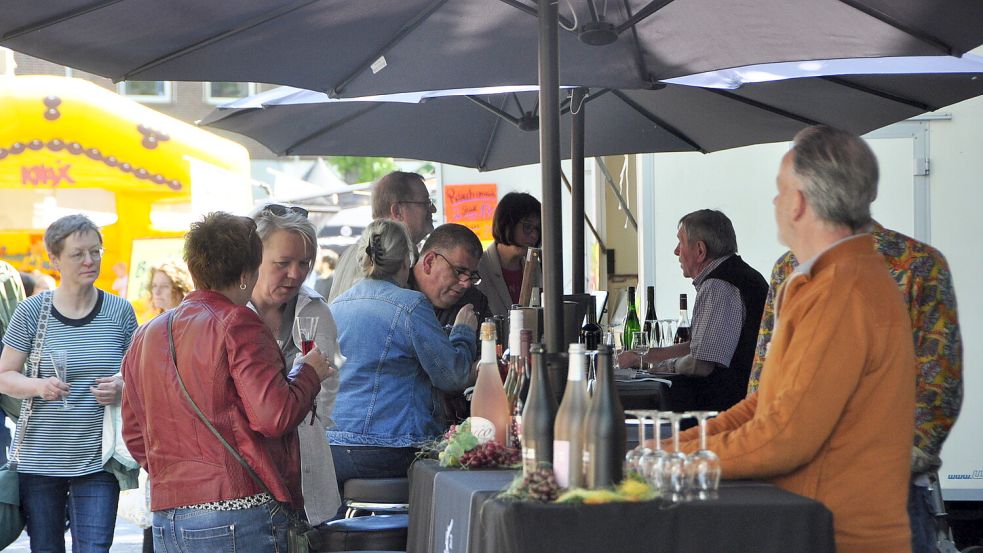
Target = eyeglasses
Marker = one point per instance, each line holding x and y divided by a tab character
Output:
528	227
463	275
79	256
429	203
281	210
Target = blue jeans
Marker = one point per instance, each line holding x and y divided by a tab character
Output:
369	462
91	501
260	529
922	519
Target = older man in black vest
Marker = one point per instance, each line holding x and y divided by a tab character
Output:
713	367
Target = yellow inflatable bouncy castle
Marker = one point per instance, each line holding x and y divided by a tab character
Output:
71	146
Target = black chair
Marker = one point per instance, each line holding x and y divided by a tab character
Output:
376	496
376	517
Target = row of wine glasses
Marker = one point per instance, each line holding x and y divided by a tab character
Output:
677	476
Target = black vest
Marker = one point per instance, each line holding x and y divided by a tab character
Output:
728	385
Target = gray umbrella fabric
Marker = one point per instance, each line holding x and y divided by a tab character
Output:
460	130
356	48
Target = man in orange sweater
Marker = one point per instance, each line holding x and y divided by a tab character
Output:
832	418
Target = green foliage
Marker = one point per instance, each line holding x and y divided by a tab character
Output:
355	169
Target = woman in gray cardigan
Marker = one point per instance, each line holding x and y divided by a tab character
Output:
516	228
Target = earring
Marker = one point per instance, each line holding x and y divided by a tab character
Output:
242	285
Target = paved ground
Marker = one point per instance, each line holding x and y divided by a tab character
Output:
128	539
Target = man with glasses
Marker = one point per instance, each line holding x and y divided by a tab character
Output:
399	196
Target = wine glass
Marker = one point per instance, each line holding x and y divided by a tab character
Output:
59	362
634	458
674	470
306	327
591	371
653	464
639	345
617	316
667	331
703	465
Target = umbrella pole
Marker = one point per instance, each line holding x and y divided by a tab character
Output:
577	253
549	157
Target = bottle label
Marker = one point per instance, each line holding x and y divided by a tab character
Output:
561	462
528	460
483	429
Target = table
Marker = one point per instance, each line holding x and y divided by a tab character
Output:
747	517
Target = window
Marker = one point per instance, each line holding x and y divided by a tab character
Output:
219	92
151	92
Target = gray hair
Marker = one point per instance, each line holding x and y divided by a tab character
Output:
839	174
54	237
448	236
383	248
267	223
391	189
714	229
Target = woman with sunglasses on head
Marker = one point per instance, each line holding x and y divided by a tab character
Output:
215	352
62	458
516	228
397	353
280	297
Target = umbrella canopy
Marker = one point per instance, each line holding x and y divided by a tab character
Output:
380	46
492	131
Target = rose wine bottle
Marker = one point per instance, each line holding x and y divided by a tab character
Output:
604	428
489	408
568	430
538	415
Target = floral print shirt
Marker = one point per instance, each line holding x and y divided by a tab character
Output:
923	275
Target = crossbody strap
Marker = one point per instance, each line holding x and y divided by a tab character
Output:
33	371
232	450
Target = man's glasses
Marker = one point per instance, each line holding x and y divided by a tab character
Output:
428	203
281	210
463	275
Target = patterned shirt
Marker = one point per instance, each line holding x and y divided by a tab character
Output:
718	314
923	275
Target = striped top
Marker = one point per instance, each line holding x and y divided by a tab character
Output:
69	442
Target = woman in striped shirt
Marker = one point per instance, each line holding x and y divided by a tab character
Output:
60	457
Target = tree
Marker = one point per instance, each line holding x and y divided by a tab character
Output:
355	169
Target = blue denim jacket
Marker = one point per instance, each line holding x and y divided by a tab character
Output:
397	353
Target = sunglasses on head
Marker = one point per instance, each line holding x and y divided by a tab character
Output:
281	210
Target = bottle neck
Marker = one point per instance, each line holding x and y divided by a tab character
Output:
575	371
488	352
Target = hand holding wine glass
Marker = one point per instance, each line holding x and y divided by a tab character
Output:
317	359
59	363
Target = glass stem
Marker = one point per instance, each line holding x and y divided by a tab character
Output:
675	432
703	432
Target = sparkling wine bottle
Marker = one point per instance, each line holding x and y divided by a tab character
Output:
651	326
682	327
568	430
631	321
489	407
538	415
604	428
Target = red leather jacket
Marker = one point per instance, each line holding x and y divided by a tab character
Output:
232	367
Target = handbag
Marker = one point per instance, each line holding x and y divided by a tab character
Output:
11	518
300	534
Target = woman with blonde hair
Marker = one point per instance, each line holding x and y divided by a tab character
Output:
169	283
397	353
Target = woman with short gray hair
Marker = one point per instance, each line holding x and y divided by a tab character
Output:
62	460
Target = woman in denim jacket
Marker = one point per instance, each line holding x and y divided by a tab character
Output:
396	353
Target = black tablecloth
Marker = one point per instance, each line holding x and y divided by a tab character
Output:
747	517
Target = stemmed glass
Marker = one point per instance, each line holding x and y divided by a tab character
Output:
634	459
639	345
703	465
653	462
59	362
306	327
674	470
667	331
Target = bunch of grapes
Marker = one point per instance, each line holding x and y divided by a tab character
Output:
539	485
489	454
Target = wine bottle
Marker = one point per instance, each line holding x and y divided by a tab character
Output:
568	430
520	387
682	327
604	428
512	381
590	333
489	407
538	415
631	321
651	325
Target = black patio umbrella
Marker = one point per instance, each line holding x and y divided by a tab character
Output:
493	131
355	48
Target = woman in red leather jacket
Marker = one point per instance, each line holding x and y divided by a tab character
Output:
201	497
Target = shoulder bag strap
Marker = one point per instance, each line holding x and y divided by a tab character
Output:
33	370
232	450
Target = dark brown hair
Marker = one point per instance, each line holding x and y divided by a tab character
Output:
512	208
220	248
448	236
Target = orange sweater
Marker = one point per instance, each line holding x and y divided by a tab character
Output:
832	419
